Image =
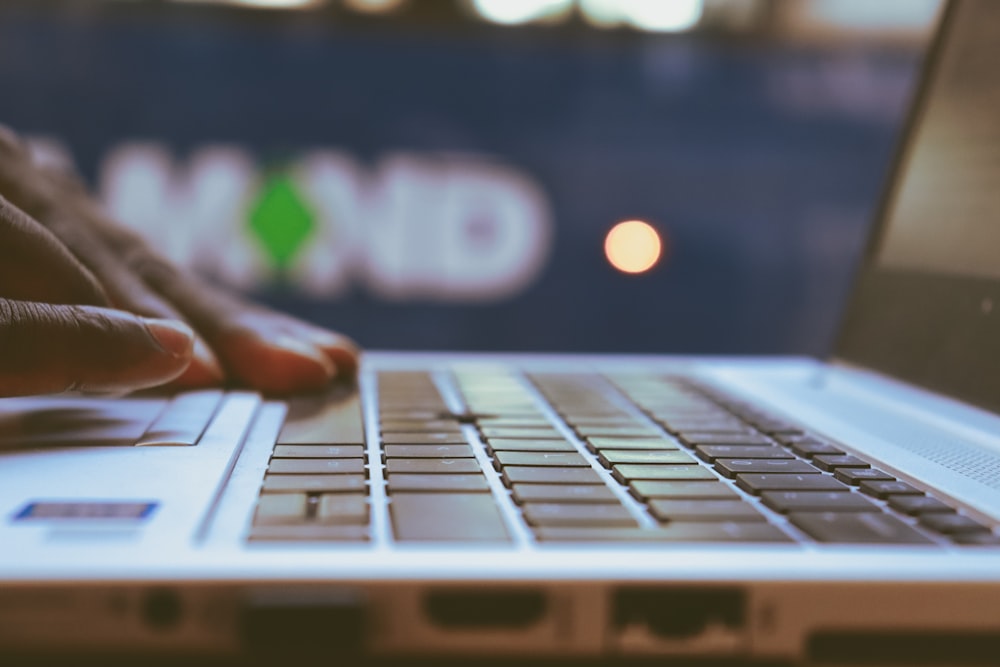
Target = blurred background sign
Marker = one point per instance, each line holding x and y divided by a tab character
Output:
578	175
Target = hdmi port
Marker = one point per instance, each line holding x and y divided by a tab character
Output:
485	608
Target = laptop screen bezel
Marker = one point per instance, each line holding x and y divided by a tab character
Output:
937	331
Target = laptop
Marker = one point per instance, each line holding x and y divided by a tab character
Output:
789	509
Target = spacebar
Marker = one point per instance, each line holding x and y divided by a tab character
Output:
447	517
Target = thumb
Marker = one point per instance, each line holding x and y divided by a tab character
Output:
47	348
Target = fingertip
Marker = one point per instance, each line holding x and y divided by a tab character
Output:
278	365
86	348
346	360
171	336
341	350
306	351
204	370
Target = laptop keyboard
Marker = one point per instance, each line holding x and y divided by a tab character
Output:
557	458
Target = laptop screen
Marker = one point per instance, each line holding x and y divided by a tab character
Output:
927	306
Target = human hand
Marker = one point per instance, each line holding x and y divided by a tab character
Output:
86	304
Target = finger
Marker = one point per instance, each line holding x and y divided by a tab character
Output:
340	349
266	350
55	197
128	291
47	348
36	266
20	181
53	161
251	344
11	143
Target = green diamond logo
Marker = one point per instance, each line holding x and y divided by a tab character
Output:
281	219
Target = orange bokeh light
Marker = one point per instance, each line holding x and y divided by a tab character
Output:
633	246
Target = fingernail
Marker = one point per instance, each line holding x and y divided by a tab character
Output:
330	340
324	337
206	360
304	349
175	338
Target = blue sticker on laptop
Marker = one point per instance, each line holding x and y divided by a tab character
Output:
89	510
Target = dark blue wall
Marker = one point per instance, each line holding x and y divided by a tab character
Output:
761	162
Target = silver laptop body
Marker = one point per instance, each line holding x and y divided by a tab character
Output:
841	512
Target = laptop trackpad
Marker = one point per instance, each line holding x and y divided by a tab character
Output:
70	422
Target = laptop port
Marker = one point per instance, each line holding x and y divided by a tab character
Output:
677	619
303	621
484	608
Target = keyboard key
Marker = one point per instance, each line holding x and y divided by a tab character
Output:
319	452
419	426
694	439
313	483
342	509
280	508
832	461
593	414
721	531
627	472
578	514
404	414
704	510
697	409
854	476
437	438
315	466
809	448
515	424
521	433
671	408
446	517
609	457
757	483
976	539
515	421
885	489
951	524
694	413
733	467
646	489
776	426
917	505
563	493
566	459
712	452
433	466
505	445
444	483
856	528
617	431
428	452
310	532
624	420
545	475
680	424
329	418
817	501
655	444
505	406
